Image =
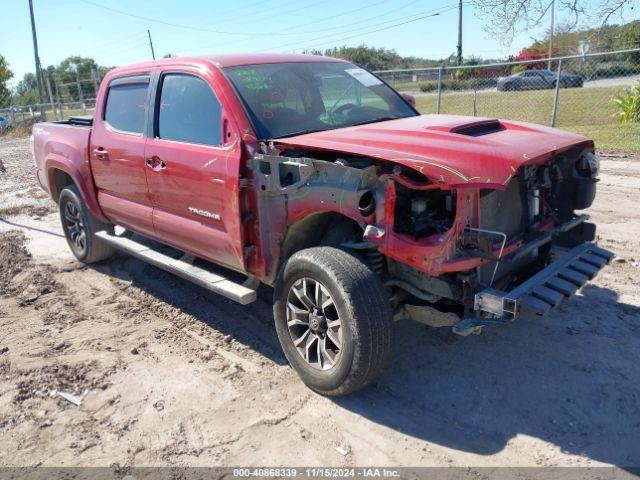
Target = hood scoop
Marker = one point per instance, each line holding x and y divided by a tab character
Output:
480	128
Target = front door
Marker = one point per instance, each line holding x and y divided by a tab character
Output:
116	153
192	166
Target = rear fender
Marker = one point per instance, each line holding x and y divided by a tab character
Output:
81	177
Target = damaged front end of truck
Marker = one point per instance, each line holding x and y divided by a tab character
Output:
481	239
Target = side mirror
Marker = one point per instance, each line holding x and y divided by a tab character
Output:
410	99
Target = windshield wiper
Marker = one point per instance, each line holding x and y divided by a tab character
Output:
373	120
301	132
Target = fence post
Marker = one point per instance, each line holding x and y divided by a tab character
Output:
53	105
59	102
439	104
475	100
554	112
95	82
79	85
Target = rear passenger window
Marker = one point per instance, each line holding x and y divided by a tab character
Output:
189	110
126	106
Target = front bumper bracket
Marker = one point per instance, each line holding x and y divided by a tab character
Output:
542	292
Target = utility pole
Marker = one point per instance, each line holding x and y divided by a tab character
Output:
151	45
35	52
553	16
460	32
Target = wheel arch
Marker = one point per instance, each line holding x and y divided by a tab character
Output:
61	173
324	228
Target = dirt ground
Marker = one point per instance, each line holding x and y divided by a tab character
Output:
177	376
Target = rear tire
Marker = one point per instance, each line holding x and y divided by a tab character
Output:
333	304
79	227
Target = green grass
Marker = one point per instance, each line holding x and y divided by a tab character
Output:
587	111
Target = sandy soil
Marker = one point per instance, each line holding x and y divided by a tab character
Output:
178	376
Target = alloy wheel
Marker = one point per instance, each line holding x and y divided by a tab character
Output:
75	226
314	324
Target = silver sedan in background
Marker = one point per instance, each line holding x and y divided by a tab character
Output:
537	80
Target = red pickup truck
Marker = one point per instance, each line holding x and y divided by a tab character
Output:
311	175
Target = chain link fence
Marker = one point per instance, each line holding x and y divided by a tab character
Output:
61	101
586	94
54	111
582	93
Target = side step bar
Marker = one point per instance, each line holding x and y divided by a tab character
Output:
182	269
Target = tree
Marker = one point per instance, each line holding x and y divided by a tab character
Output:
5	76
66	76
26	92
601	39
532	53
508	17
63	81
374	58
629	37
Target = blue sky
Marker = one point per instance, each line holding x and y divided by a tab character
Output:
78	27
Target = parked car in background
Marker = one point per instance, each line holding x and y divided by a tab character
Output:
5	123
538	80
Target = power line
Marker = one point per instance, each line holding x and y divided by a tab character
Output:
345	28
348	26
337	27
192	27
140	46
433	13
348	12
365	20
120	43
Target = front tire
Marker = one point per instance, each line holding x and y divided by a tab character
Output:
79	226
333	320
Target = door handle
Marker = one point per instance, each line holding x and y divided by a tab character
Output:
155	163
101	154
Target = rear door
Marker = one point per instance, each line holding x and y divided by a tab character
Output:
192	161
116	153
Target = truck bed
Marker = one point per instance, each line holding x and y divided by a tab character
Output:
80	121
63	146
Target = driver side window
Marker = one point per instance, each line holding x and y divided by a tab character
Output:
189	110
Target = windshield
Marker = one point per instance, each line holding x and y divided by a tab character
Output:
285	99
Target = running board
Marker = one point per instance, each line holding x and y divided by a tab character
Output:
182	269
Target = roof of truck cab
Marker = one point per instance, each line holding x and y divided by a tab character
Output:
233	60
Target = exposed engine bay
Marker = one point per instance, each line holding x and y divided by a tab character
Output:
422	213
